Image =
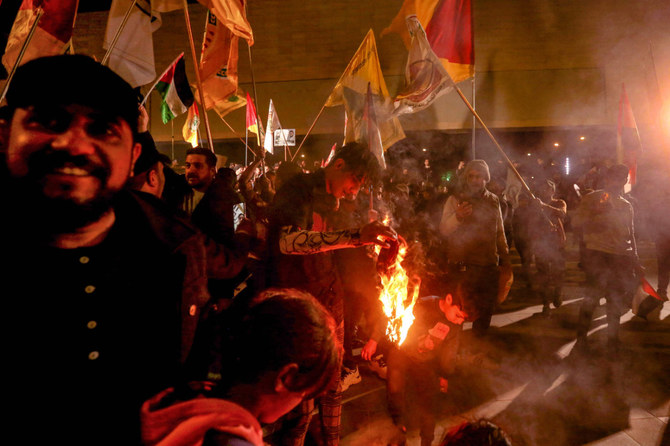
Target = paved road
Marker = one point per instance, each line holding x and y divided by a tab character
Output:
527	381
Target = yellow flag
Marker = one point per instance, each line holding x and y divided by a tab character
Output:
232	15
363	69
352	88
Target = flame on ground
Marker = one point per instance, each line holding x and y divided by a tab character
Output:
394	296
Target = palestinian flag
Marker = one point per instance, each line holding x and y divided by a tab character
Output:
175	90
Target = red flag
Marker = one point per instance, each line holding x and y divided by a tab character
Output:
628	138
252	121
53	33
448	25
647	288
331	155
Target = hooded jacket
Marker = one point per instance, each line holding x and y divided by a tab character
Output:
186	423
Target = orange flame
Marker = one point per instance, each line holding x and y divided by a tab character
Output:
396	301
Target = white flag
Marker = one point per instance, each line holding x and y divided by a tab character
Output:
273	124
133	54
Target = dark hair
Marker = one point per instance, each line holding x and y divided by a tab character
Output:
359	160
210	158
281	326
617	172
476	433
73	79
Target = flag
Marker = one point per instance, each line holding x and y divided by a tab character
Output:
646	299
167	5
425	76
252	121
133	54
331	155
448	25
218	68
628	144
352	88
272	125
190	129
232	16
365	129
513	188
52	36
175	90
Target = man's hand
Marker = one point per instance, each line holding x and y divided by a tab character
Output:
376	232
143	120
453	313
247	227
369	349
463	210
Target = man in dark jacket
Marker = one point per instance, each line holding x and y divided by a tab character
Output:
105	286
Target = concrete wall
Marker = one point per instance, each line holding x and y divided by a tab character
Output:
539	63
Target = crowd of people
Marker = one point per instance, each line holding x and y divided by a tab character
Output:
163	308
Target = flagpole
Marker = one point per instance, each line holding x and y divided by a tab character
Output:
196	65
38	16
158	79
172	135
488	132
236	134
317	117
118	33
474	122
310	128
253	82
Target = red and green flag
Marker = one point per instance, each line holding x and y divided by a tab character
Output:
174	89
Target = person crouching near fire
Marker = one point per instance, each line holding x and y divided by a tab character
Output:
421	364
279	349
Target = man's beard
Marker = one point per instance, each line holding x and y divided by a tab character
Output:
471	192
51	214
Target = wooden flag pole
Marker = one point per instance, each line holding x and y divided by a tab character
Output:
105	59
502	152
253	86
196	66
310	129
318	116
38	16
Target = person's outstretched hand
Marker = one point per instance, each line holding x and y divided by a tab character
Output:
377	233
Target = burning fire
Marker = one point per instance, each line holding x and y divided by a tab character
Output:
395	297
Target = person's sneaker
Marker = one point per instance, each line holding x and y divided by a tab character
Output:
557	301
378	366
546	311
350	377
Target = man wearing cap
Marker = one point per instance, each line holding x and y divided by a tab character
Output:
476	246
610	256
104	287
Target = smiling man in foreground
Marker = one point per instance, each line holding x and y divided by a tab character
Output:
105	285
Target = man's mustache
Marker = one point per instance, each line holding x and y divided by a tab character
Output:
43	163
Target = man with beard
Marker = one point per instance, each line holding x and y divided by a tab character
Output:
476	246
200	172
104	286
